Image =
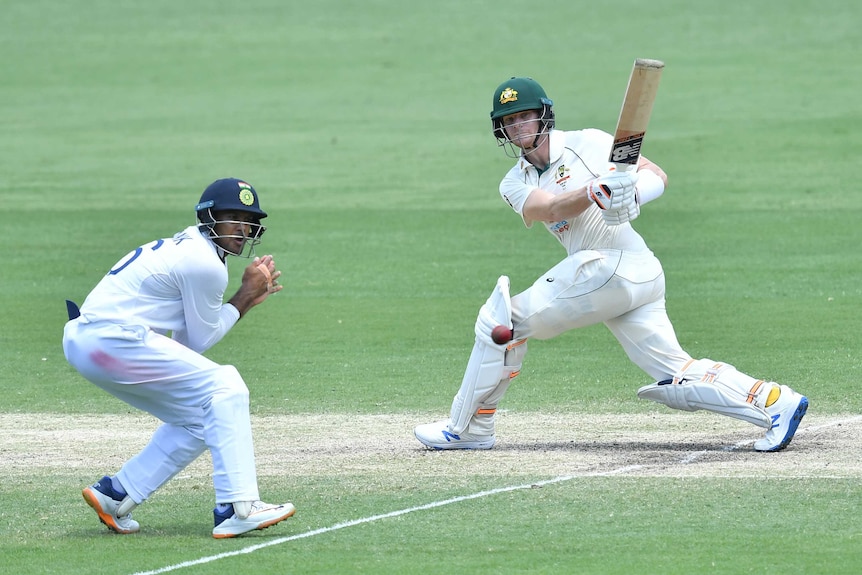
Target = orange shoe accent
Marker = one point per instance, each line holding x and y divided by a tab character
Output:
106	518
263	525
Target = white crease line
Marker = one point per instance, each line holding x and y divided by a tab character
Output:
692	457
830	424
563	478
355	522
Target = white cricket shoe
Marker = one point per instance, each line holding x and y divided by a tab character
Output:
261	516
437	436
787	411
105	502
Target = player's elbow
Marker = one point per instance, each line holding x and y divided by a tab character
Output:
200	342
646	164
661	174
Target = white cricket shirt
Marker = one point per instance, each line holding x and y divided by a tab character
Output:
169	285
576	158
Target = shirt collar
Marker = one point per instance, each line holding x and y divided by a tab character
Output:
556	143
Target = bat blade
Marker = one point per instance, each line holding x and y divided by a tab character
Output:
635	113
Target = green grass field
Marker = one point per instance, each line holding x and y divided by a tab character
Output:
364	126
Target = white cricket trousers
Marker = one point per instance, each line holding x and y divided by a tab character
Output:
203	405
624	290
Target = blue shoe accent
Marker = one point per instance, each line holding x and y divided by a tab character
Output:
106	487
450	436
221	517
792	425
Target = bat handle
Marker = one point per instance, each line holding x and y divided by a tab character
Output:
616	166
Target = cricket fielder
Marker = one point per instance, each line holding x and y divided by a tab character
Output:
140	336
609	276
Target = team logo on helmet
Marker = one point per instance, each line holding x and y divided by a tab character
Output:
508	95
245	194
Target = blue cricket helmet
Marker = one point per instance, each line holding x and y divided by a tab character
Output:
231	195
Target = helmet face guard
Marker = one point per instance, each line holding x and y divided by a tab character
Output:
223	199
210	220
520	95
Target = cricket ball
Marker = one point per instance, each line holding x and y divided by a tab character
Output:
501	334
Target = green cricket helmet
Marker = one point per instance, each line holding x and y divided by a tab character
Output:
519	94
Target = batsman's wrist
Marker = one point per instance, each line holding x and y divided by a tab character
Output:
649	187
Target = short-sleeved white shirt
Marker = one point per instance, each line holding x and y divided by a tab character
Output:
576	158
173	285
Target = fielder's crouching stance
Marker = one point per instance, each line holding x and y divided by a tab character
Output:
609	276
140	335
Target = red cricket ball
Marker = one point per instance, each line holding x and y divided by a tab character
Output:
501	334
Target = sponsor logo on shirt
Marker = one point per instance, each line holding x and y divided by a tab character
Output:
562	176
560	228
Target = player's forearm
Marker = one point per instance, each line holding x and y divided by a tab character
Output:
546	207
646	164
200	334
652	181
243	300
567	205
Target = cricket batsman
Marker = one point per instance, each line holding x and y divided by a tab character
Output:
562	180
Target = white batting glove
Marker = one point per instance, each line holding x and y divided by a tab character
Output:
622	214
613	190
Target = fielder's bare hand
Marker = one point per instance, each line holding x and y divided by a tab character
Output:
259	280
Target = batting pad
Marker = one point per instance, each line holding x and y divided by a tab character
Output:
496	311
483	374
716	387
486	369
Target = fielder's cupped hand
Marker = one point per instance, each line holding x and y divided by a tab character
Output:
614	190
261	276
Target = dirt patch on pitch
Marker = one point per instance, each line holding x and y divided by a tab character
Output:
382	447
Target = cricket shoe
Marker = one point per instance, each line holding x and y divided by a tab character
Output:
261	516
105	501
786	413
437	436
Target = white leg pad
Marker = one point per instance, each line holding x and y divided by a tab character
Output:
487	375
482	420
713	386
512	361
486	372
496	311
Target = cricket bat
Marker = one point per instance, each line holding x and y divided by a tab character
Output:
635	113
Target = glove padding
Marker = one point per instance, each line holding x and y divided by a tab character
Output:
614	190
622	214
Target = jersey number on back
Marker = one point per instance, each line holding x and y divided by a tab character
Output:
121	265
